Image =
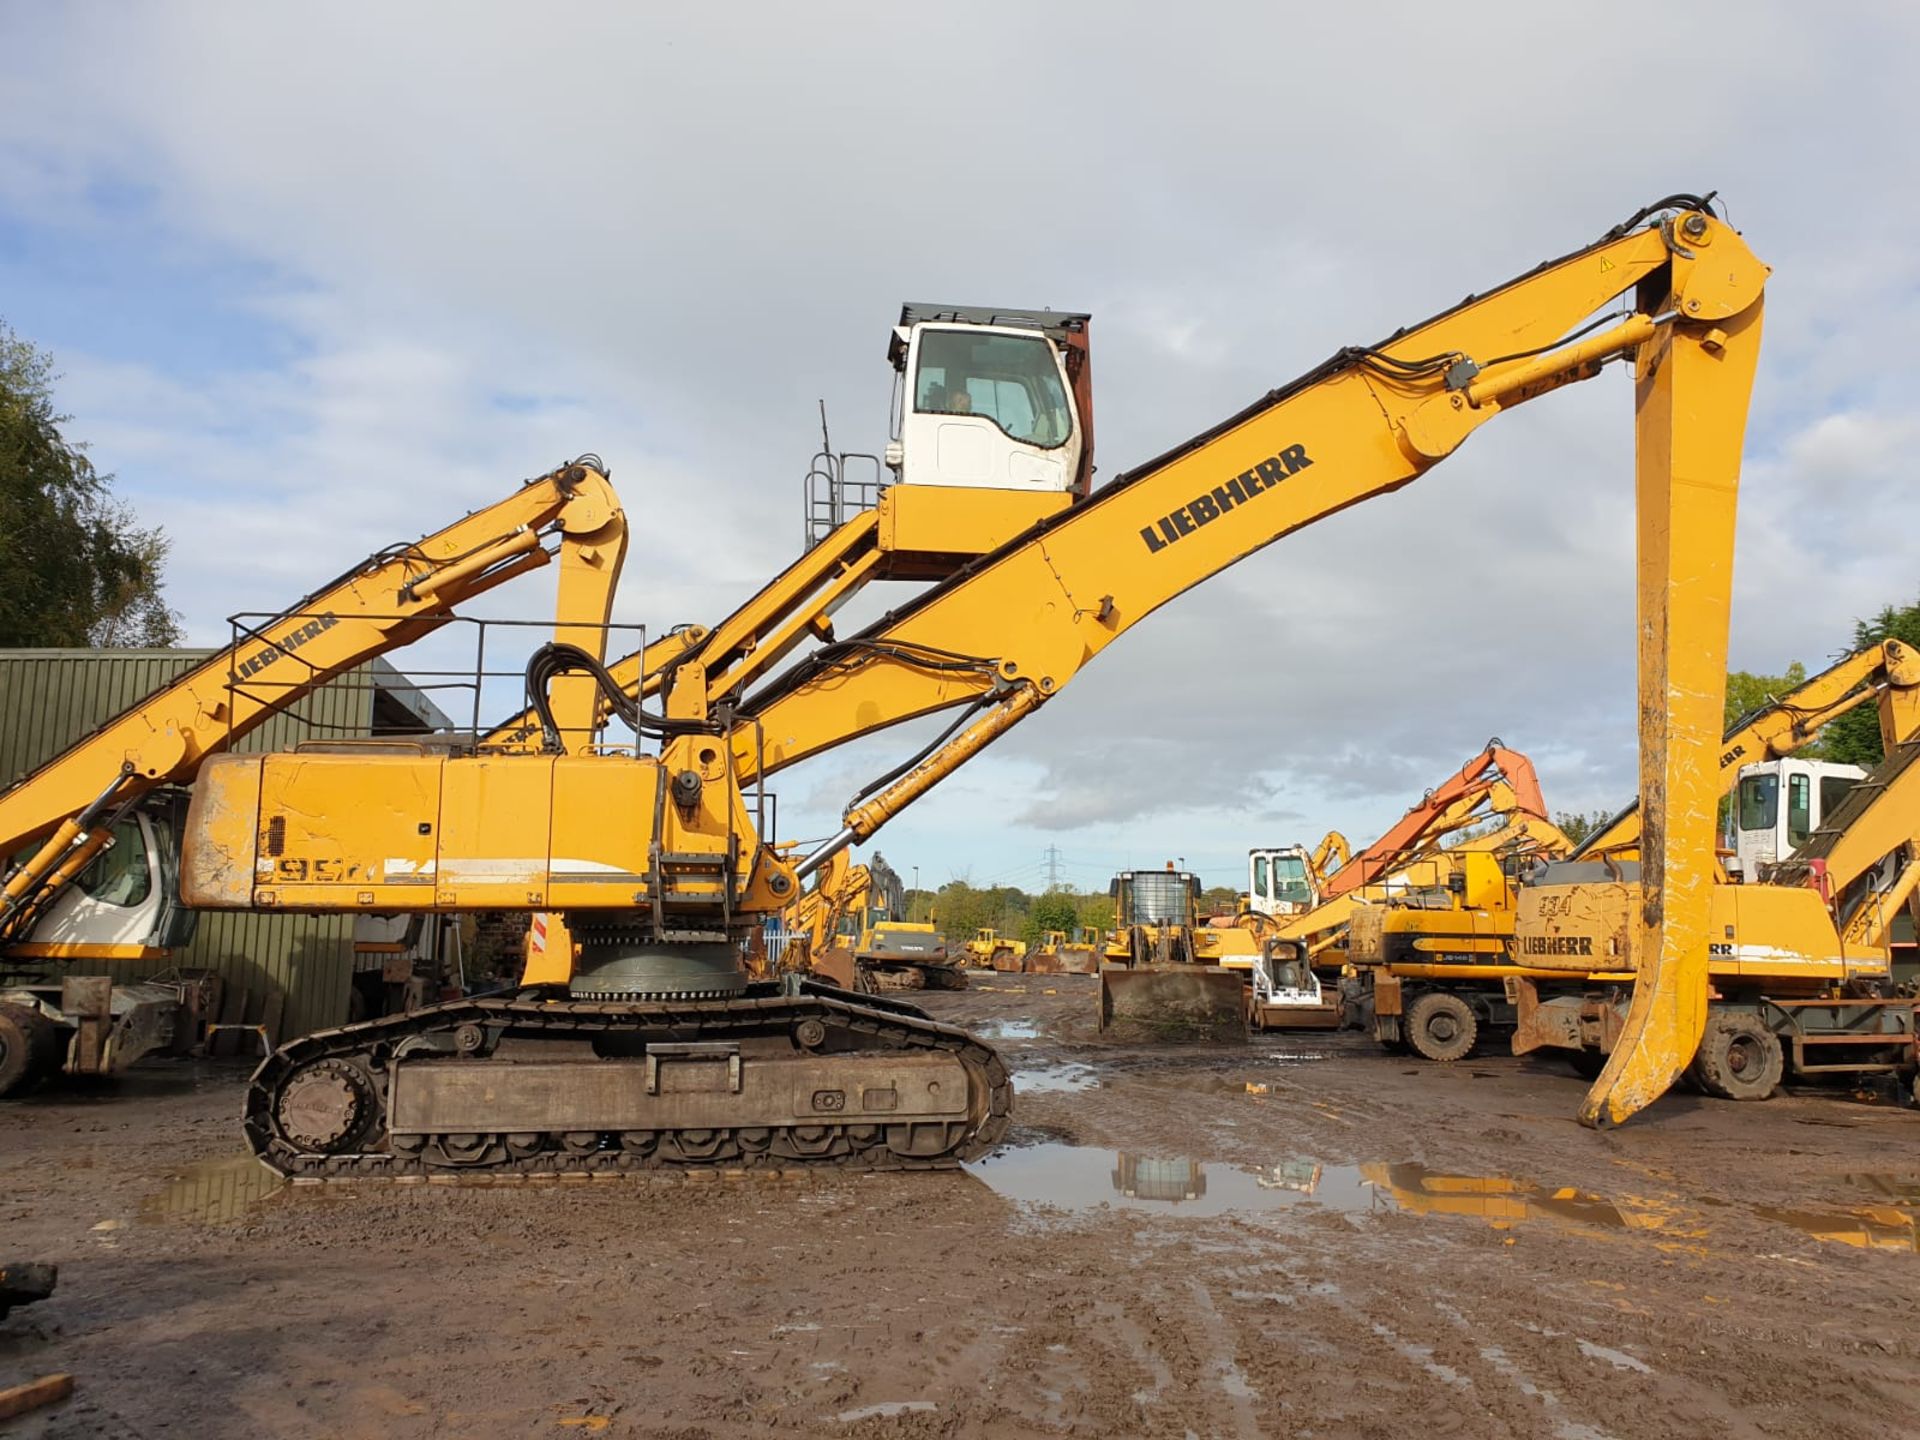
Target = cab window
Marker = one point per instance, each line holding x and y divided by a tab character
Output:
1290	879
1759	802
1260	877
119	876
1833	789
1799	810
1009	379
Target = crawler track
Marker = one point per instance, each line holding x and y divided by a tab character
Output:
619	1082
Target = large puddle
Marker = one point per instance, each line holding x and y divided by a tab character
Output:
1075	1178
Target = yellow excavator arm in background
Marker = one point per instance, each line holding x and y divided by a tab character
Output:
1328	856
1426	861
1888	673
387	601
998	640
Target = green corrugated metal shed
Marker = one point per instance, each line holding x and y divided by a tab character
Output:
50	698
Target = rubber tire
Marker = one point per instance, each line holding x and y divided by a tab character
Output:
29	1049
1739	1058
1450	1012
1587	1064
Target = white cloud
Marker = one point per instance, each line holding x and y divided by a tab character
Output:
494	237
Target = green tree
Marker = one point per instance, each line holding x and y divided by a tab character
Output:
1855	737
1096	911
1220	900
1051	911
1577	825
75	567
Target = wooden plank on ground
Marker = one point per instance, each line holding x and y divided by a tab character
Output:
233	1011
35	1393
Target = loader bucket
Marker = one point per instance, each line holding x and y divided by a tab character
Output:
1079	960
836	967
1178	1004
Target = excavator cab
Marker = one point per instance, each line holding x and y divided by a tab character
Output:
1278	881
991	399
127	902
991	433
1780	803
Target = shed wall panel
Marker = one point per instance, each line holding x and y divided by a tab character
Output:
51	698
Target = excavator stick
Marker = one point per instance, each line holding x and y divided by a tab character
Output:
1177	1004
1693	381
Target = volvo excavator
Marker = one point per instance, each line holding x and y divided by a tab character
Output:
645	1043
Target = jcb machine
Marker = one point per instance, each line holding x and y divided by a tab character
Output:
990	950
1062	954
651	1046
1440	982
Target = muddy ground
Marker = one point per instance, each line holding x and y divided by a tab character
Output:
1320	1240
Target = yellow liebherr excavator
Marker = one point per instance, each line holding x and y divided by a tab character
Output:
657	1049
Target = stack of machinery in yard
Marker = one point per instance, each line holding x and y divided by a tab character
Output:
642	1041
1801	951
1300	909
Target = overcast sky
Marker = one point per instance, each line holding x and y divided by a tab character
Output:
319	278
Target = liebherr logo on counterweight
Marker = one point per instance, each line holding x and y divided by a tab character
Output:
1210	505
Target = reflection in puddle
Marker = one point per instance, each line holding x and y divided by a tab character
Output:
1055	1079
1071	1177
1900	1189
1007	1029
1871	1227
214	1192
